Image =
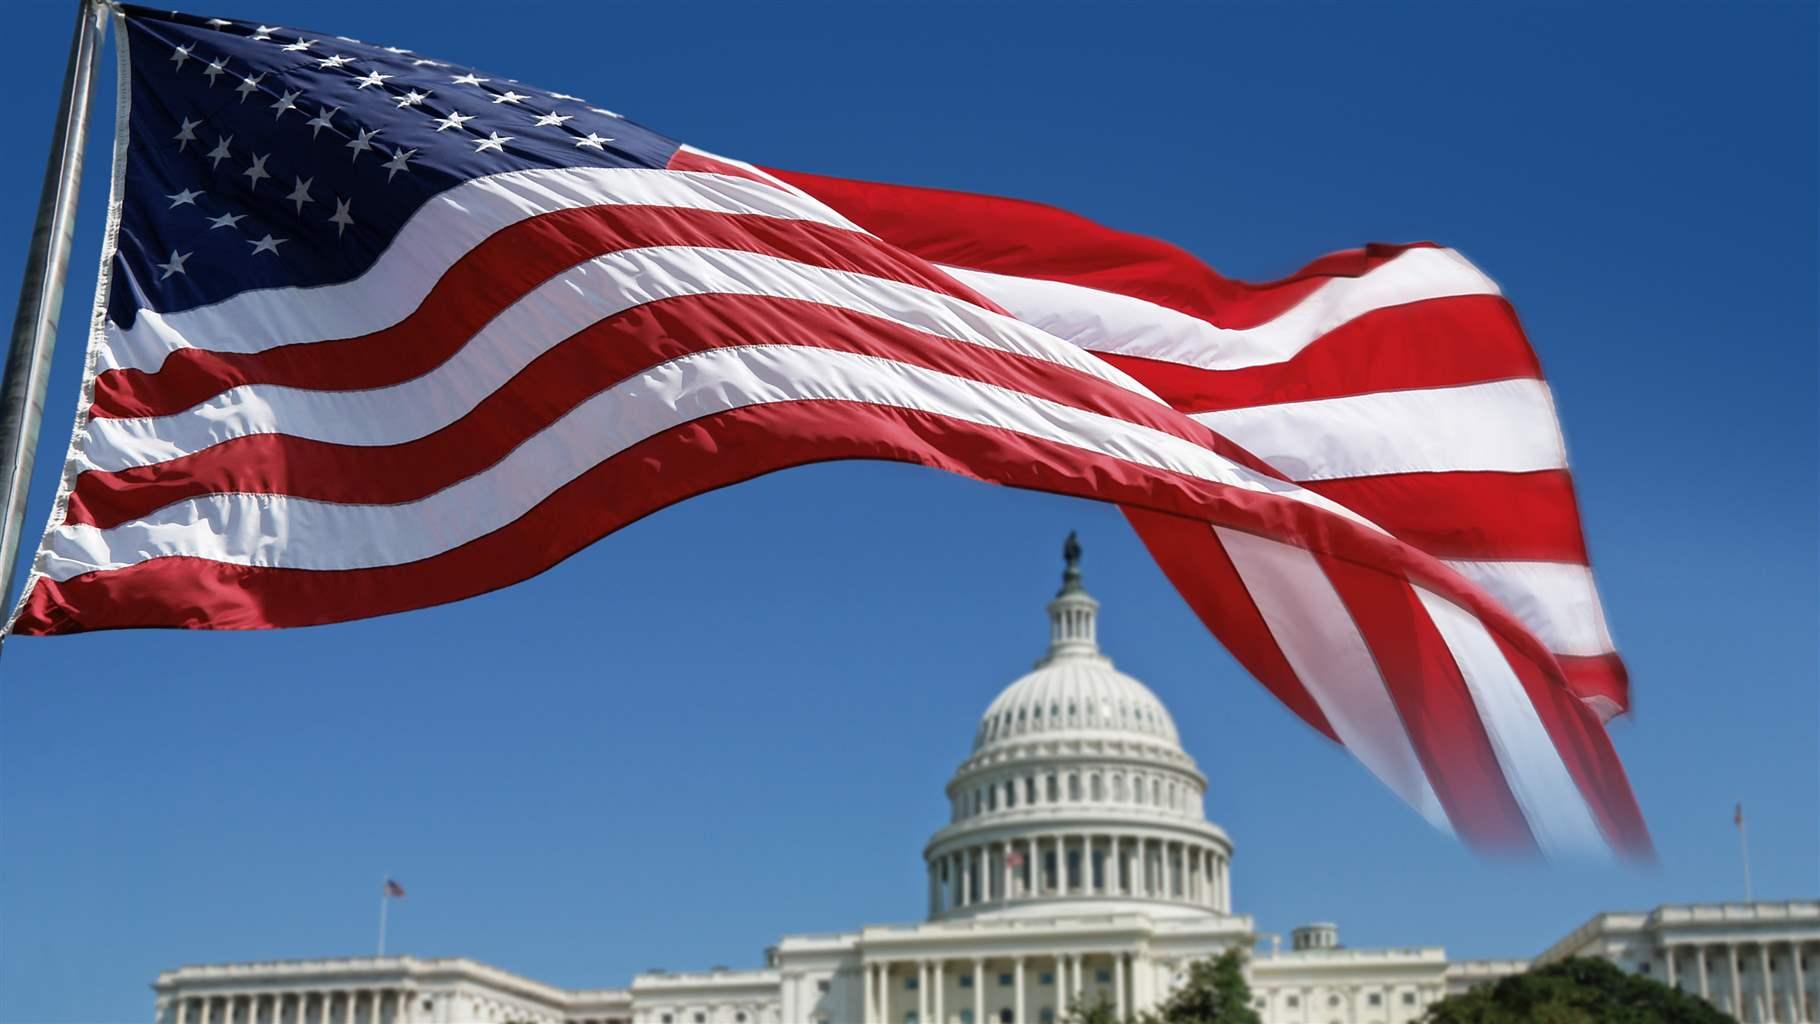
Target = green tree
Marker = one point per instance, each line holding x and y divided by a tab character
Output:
1215	993
1574	991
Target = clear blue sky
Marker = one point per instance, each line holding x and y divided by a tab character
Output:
734	719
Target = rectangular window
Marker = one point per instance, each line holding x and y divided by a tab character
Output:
1048	1015
1046	978
966	981
910	984
1293	1001
1376	999
1004	981
910	1018
1103	976
966	1017
822	985
1409	999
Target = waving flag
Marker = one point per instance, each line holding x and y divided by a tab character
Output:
378	331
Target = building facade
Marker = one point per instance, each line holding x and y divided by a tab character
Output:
1077	865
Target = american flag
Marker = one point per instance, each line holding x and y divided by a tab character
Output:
378	331
394	890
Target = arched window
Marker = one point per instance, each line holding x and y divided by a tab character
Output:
1074	788
1011	793
1118	789
1137	790
1054	792
1093	788
1030	789
992	798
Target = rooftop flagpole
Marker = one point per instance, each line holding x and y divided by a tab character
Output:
28	361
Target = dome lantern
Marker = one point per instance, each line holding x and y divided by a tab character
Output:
1073	614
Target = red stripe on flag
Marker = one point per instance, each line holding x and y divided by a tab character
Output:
1197	564
585	364
1461	339
1013	236
485	281
1437	710
1587	752
1471	515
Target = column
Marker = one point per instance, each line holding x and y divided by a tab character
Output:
1212	873
1737	999
966	878
1700	958
1118	986
1061	987
979	991
934	906
1017	990
407	1002
871	1014
182	1015
938	978
1004	864
983	872
1168	871
1115	868
1668	951
1765	1001
1800	1014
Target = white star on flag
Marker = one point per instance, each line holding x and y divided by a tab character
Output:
175	265
509	97
299	46
363	142
215	70
286	102
187	197
267	244
591	141
334	62
323	119
247	85
553	118
301	194
397	163
226	220
372	78
456	119
257	171
220	152
186	133
341	219
412	98
495	142
181	54
470	79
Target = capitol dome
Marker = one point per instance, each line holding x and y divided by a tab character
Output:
1077	794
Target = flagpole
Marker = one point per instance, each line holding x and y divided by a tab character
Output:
28	361
1744	854
385	900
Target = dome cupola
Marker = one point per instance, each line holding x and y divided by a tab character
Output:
1077	791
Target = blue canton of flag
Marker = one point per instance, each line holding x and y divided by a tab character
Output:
261	156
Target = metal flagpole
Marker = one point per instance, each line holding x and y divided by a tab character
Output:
28	361
1744	852
385	900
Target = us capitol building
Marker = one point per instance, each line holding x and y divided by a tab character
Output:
1077	864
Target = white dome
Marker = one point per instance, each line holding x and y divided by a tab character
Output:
1077	796
1076	694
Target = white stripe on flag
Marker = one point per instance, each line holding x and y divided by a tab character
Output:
1556	600
291	532
1551	801
1323	646
441	232
1503	426
539	321
1120	324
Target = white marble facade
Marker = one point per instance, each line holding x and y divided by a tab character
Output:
1077	864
